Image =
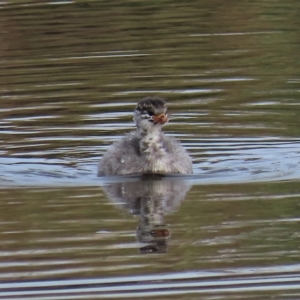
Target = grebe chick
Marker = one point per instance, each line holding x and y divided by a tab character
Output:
146	150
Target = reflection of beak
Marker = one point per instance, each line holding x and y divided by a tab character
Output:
161	119
160	233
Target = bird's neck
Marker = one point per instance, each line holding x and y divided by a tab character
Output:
150	140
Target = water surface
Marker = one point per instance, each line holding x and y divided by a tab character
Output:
72	73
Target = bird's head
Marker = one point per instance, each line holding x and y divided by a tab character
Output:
150	112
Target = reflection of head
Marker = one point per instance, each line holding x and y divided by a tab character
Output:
149	232
158	247
156	237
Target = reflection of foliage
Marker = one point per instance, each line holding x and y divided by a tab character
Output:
75	56
248	224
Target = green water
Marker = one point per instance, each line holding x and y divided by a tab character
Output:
70	75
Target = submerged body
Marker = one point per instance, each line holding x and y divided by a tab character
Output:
147	149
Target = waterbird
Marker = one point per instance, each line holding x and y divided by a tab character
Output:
146	150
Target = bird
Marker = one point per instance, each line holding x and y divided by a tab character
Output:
146	150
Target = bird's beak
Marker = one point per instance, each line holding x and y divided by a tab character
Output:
160	119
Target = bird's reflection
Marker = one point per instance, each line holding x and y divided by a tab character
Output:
150	197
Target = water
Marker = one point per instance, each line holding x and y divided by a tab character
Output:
71	75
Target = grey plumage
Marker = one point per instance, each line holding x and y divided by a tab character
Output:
147	149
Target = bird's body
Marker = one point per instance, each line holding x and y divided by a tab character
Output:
147	149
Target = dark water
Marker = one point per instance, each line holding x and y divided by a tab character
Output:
71	73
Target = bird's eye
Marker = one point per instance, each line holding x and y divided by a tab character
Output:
144	115
150	113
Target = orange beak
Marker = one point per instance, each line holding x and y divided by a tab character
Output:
161	119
